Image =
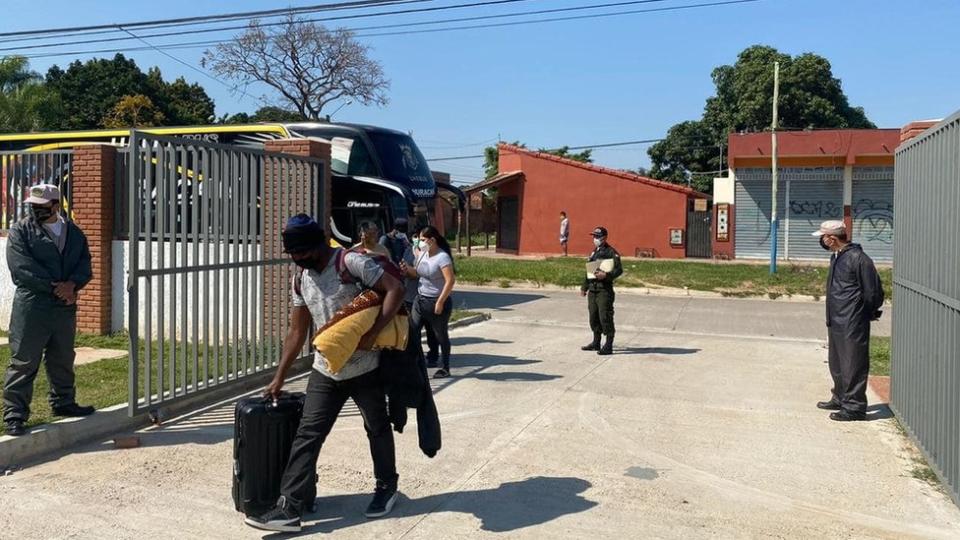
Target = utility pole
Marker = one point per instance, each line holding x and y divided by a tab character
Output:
774	225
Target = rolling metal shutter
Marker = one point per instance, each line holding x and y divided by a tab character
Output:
816	195
752	225
872	210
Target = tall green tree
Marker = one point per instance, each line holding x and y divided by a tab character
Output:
133	112
91	90
810	97
25	103
180	102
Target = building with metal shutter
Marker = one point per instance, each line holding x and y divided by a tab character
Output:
831	174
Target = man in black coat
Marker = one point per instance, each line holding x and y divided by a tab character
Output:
854	298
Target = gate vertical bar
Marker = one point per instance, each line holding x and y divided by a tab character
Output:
205	227
184	261
195	241
135	165
132	277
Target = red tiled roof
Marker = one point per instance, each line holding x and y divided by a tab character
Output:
604	170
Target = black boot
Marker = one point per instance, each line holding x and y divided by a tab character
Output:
593	346
607	346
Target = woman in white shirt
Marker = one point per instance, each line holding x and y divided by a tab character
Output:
434	268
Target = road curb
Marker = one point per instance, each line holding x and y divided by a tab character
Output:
664	292
467	321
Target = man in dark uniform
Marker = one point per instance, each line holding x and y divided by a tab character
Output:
49	263
599	293
854	298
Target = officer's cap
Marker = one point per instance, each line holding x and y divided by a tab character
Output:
599	232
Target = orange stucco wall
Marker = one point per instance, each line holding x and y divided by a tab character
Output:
637	215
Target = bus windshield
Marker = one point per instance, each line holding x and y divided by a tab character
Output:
403	162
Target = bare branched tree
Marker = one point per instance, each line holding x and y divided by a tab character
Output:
308	65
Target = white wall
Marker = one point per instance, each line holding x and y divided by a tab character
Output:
6	287
248	299
724	190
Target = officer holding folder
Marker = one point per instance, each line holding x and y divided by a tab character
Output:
603	267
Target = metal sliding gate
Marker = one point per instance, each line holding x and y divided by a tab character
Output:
925	367
208	286
20	170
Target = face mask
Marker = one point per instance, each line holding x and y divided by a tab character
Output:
41	213
824	245
597	242
308	262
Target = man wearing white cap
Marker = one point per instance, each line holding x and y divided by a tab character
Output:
854	298
49	263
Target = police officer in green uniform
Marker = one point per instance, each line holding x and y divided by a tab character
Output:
49	263
600	295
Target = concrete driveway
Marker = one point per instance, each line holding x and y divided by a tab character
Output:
702	425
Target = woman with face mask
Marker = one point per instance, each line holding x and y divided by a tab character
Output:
433	305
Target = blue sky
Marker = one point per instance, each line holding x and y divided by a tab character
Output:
589	81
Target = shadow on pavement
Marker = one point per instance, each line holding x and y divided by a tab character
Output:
880	411
510	507
516	377
214	425
474	340
655	350
499	301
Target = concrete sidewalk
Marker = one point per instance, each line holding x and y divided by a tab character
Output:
678	435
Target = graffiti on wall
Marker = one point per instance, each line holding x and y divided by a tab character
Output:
816	209
874	220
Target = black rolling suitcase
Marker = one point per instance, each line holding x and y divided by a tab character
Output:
263	432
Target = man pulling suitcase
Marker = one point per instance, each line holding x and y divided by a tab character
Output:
317	295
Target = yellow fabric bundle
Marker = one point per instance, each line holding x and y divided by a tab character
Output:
338	339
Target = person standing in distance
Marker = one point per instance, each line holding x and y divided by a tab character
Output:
600	295
49	262
854	298
564	232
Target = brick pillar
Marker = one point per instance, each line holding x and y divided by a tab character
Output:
304	148
92	208
284	186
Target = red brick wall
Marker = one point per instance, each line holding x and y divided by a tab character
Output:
279	184
92	205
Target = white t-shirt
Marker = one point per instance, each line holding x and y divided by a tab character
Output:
323	294
431	276
56	232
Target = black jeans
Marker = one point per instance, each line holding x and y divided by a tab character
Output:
325	399
423	315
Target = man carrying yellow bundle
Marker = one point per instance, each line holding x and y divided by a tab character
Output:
318	294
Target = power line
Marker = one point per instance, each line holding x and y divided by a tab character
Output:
559	19
205	19
281	23
201	44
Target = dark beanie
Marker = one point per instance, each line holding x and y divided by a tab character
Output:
302	233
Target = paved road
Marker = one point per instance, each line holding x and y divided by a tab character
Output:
681	434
